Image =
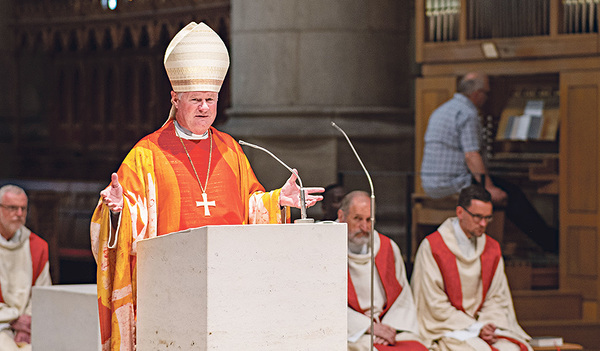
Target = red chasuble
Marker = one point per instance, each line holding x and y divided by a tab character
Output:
446	262
162	195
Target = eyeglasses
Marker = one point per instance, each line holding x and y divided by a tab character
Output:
14	208
478	217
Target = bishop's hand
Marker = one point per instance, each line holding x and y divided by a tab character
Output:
112	196
290	193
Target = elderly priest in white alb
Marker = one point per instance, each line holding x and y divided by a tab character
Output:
395	322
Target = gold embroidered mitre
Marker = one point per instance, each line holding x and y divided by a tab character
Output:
196	59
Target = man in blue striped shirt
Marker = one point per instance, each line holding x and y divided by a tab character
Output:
452	159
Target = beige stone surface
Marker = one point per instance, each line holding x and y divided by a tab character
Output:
254	287
65	318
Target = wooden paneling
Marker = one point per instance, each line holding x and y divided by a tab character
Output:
513	67
533	305
582	252
580	183
582	145
430	93
512	48
575	59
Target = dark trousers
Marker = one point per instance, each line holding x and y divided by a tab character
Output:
522	213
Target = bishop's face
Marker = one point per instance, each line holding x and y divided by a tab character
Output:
196	110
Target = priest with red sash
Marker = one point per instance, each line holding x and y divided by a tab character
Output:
395	324
23	265
185	175
460	288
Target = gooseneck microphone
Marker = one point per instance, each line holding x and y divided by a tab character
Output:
372	234
303	218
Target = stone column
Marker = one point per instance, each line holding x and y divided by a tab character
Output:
297	65
8	87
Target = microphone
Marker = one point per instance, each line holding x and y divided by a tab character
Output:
303	218
372	234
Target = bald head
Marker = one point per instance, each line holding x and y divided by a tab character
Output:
351	197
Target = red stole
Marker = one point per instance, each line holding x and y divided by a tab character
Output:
39	258
408	345
446	262
386	267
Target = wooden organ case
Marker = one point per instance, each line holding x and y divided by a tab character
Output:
546	50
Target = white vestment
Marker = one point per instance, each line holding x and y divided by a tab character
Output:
402	313
448	327
16	275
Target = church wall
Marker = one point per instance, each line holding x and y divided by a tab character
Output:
298	65
8	85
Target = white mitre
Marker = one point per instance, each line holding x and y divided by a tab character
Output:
196	60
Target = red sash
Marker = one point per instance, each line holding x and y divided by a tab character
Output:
386	267
522	346
410	345
39	258
446	262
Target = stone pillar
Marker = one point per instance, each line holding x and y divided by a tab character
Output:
8	86
297	65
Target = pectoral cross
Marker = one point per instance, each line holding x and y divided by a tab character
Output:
205	203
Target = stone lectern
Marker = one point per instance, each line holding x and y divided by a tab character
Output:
247	287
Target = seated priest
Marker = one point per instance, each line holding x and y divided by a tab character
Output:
460	288
185	175
395	324
23	265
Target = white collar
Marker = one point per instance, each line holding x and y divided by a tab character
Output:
467	246
188	135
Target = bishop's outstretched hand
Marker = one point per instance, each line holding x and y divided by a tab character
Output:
290	193
112	196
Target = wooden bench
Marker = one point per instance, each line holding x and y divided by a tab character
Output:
563	347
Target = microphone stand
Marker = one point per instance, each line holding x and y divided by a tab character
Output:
303	218
372	234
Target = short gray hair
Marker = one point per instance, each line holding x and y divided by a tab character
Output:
11	188
470	83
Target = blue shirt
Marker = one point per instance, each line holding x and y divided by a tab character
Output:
454	128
